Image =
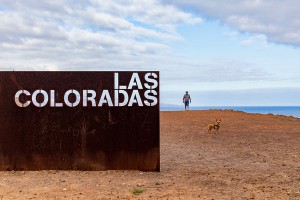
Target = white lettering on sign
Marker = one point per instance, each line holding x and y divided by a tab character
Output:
151	80
129	94
105	98
17	98
45	96
87	98
52	100
77	98
153	98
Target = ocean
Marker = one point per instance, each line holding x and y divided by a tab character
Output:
276	110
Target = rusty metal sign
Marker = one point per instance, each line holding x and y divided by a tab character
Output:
79	120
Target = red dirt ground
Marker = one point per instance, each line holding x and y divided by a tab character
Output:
253	156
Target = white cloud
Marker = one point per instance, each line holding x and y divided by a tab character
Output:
101	35
216	71
277	20
87	35
232	34
256	39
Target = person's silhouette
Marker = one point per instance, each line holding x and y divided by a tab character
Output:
187	100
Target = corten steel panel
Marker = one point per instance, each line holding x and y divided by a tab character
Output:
76	138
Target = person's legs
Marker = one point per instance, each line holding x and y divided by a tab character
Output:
186	105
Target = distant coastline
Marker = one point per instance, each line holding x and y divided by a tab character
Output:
276	110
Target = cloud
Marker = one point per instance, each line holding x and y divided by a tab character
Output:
119	35
278	20
232	34
261	40
87	35
246	97
217	71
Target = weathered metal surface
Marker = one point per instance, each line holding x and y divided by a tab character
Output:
76	138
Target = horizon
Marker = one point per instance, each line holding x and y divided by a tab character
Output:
229	53
181	106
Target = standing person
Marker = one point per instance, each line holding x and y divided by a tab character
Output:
187	100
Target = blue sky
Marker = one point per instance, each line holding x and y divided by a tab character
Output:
226	53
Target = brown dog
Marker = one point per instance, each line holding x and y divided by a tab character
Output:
215	126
